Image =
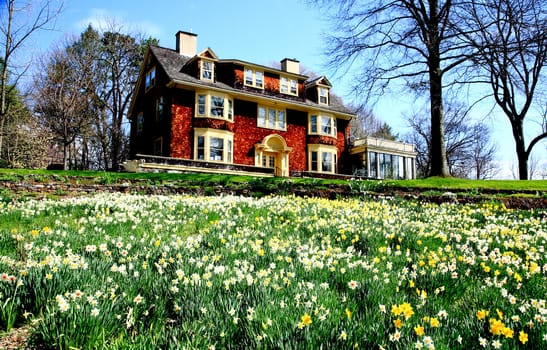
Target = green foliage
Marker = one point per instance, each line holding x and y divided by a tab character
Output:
134	272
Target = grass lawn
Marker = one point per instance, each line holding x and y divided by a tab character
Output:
119	271
535	187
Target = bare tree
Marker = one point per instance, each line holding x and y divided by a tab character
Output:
19	20
115	59
512	50
482	154
469	150
399	41
61	102
364	124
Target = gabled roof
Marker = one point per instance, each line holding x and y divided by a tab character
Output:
322	80
172	63
209	53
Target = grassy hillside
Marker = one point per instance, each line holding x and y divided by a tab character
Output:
534	188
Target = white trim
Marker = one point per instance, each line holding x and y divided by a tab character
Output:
207	134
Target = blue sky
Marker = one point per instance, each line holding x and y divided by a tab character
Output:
257	31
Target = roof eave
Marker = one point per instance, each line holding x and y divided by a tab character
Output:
235	93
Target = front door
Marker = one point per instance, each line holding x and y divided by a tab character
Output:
273	153
271	160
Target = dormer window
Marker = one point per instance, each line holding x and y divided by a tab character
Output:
150	79
254	78
288	86
207	70
323	94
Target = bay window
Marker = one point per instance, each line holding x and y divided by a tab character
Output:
214	145
214	105
322	125
322	158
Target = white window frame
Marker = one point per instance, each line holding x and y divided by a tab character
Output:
150	79
322	95
288	86
204	105
321	151
227	138
320	124
204	70
256	77
279	117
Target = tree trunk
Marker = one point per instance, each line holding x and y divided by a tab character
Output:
65	156
439	164
520	147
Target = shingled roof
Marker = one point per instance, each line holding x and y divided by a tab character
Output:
172	63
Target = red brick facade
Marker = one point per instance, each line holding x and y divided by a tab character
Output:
181	127
177	79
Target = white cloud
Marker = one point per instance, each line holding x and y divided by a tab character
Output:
103	19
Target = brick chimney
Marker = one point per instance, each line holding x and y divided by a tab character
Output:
187	43
290	65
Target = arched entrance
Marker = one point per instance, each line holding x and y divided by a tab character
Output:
273	152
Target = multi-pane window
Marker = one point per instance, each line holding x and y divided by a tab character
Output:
214	145
160	108
327	161
214	106
254	78
373	165
200	148
313	124
216	148
288	86
206	70
229	152
389	166
268	161
323	95
150	79
271	118
322	158
314	161
322	125
140	123
202	103
217	106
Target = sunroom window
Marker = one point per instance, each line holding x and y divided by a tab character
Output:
254	78
214	105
